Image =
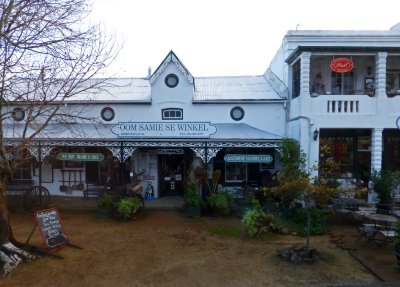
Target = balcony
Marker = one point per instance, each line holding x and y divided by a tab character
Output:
343	105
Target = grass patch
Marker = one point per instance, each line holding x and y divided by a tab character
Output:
227	231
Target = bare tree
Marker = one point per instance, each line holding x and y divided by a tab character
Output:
48	54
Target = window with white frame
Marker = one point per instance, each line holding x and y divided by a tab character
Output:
235	171
172	114
342	83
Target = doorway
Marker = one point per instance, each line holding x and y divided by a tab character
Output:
171	173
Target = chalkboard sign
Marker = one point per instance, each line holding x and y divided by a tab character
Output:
51	229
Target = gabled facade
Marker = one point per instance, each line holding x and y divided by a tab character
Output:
344	95
160	127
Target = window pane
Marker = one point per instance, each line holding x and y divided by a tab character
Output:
235	171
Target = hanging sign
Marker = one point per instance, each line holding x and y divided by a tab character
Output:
342	65
249	158
164	129
80	156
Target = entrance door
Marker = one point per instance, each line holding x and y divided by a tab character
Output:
171	174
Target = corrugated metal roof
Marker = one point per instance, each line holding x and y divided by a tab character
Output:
119	90
207	89
241	131
241	88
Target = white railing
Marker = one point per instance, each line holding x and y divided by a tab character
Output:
343	105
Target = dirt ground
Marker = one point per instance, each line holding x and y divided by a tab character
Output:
164	248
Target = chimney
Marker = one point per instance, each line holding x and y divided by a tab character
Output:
148	73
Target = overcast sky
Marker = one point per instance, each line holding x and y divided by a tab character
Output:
226	37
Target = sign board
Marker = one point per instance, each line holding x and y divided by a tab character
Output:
249	158
80	156
51	229
164	129
342	65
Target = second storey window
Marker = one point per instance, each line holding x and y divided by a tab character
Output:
172	114
342	83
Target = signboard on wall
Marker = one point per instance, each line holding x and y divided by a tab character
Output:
80	156
249	158
164	129
342	65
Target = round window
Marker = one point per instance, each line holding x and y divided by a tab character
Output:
237	113
171	80
18	114
107	114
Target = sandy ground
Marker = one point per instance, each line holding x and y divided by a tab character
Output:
164	248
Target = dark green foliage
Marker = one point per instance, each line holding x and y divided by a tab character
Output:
191	196
383	183
220	201
257	221
293	159
127	206
318	221
105	200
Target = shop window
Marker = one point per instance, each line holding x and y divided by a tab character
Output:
342	83
24	171
339	149
296	80
172	114
235	172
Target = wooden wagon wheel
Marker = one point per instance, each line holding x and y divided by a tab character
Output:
37	197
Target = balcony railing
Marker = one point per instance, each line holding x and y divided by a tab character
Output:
343	105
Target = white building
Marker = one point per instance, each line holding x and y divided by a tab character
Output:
157	126
337	89
344	92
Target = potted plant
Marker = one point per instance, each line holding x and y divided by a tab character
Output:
104	206
220	201
128	206
193	201
384	183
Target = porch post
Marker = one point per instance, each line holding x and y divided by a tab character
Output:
305	59
121	166
40	164
376	149
380	74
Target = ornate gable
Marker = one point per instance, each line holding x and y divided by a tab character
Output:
171	57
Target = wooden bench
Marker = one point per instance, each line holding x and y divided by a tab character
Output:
94	190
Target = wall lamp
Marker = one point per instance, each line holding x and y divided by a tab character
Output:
316	134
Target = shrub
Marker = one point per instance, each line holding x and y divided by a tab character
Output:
105	200
127	206
318	221
220	201
257	221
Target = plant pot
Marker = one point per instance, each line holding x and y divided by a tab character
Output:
104	211
193	210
